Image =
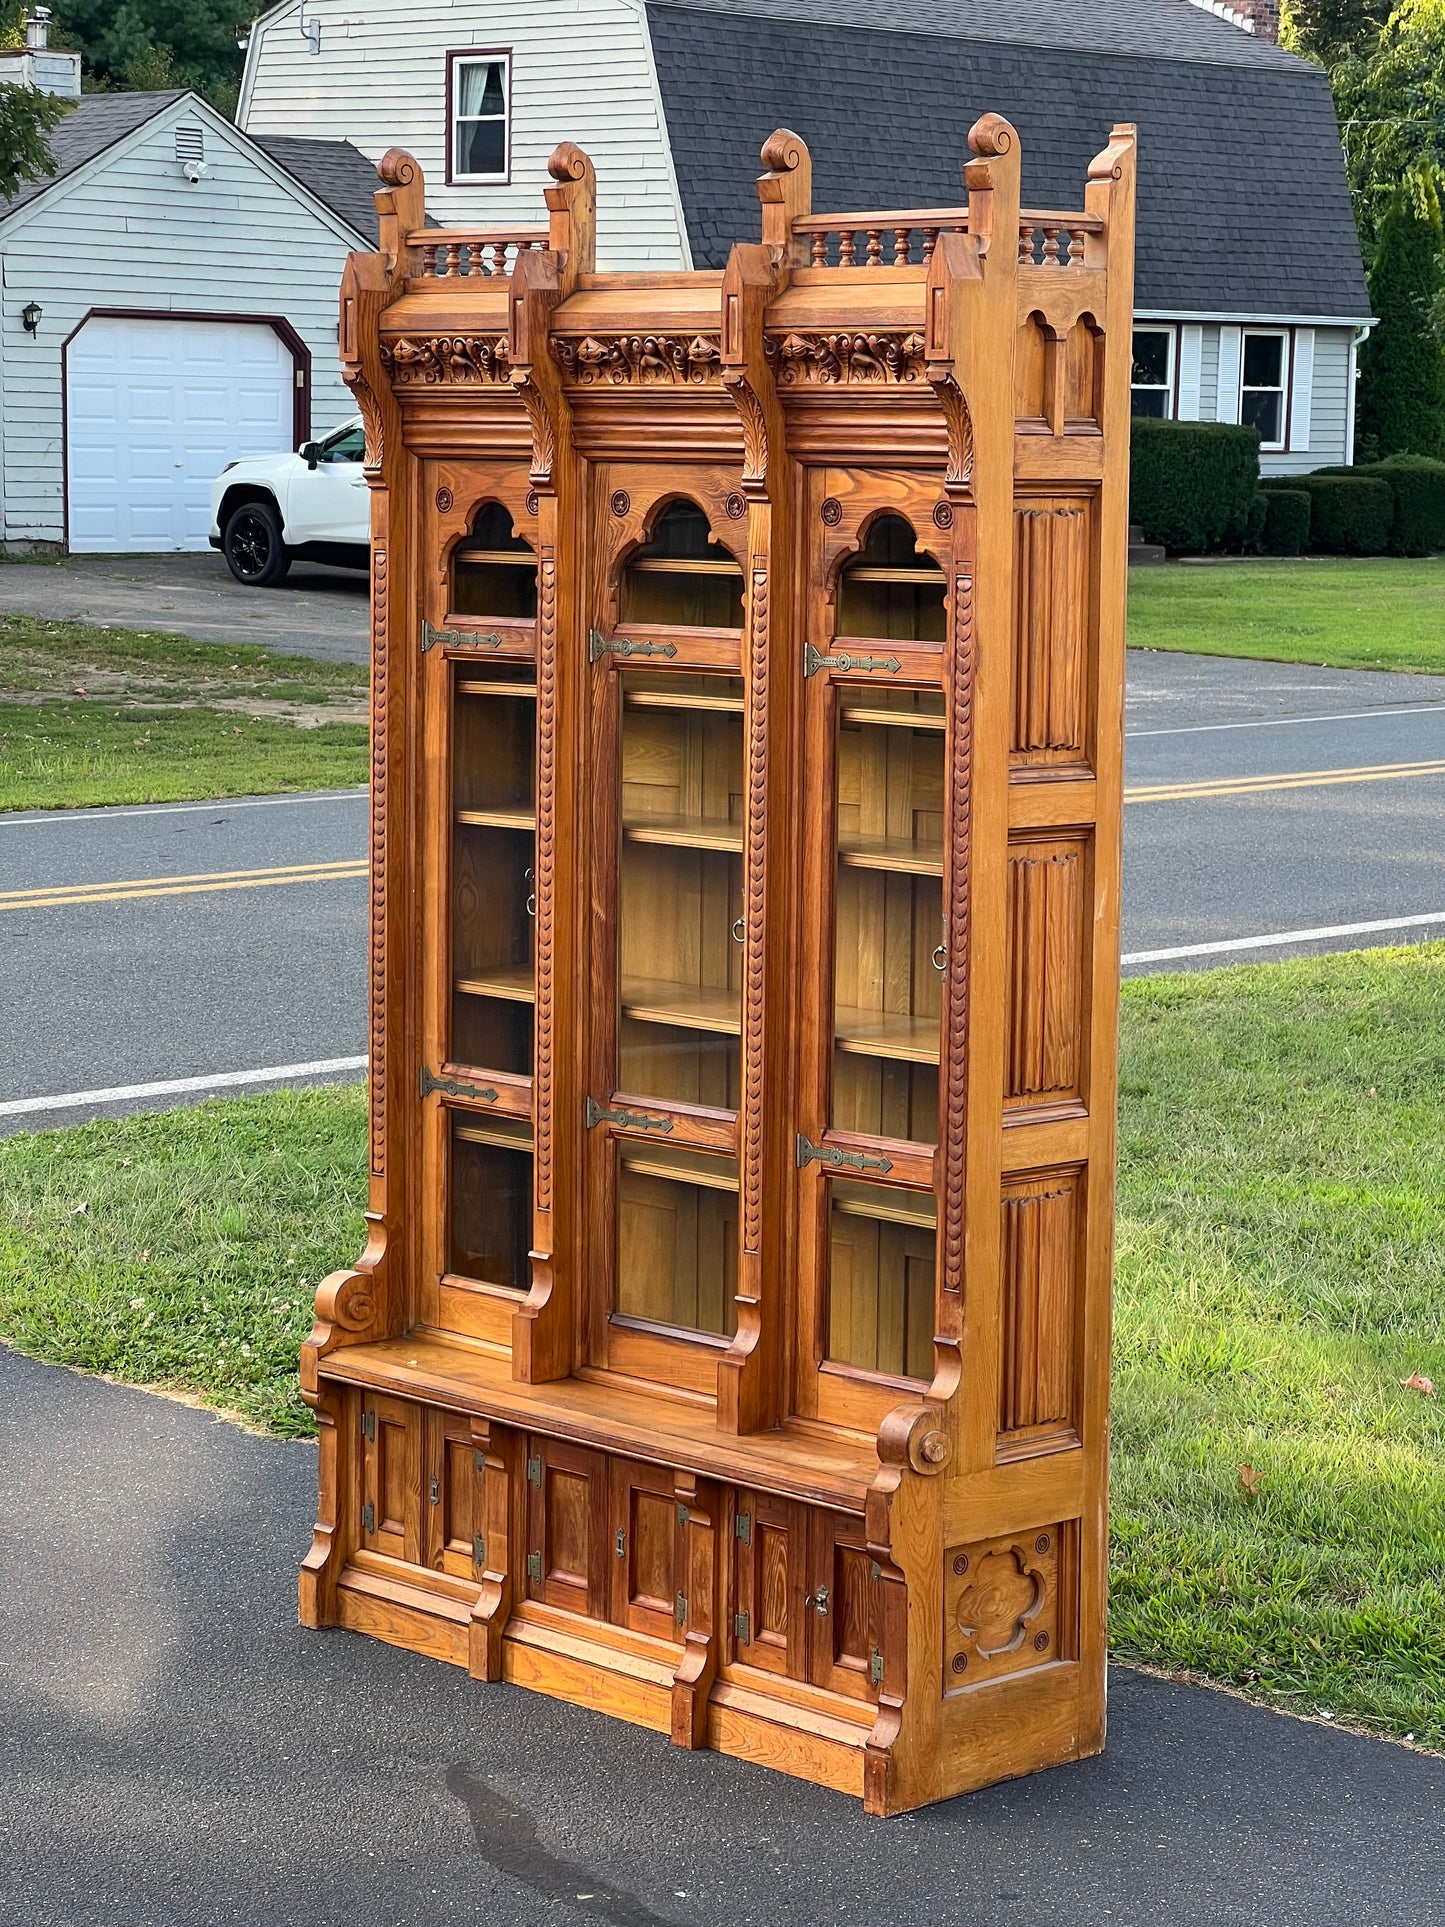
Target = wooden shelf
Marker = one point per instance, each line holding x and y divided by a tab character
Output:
686	832
682	565
882	1033
680	1167
511	816
935	576
894	853
882	718
497	558
475	686
684	699
651	1425
650	1000
503	1133
516	986
885	1205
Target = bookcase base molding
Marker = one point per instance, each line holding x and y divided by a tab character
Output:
729	1353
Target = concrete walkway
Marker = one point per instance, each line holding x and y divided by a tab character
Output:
175	1752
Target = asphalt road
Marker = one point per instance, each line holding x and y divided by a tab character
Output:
176	1752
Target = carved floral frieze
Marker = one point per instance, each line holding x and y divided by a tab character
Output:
886	359
441	359
639	360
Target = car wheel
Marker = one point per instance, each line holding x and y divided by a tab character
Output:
253	546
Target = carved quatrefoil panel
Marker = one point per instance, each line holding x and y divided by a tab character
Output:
1001	1606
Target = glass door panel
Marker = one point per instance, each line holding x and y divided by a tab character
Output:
680	887
888	913
493	865
490	1231
677	1239
880	1279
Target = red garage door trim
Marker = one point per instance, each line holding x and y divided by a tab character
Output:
300	356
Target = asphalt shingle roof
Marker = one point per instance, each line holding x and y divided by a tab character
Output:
97	121
337	173
1243	205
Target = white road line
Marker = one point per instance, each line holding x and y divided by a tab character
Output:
12	821
1281	937
218	1080
1289	722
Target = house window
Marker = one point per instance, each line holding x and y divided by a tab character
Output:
1262	378
479	90
1151	385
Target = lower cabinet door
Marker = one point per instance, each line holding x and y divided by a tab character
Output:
391	1455
843	1606
567	1520
646	1550
452	1513
770	1628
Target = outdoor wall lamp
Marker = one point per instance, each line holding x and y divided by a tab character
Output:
30	316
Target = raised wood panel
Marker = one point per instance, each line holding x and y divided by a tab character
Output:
771	1565
568	1511
391	1477
453	1491
1052	621
843	1607
646	1550
1048	898
1039	1329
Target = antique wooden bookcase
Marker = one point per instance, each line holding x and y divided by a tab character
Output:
730	1348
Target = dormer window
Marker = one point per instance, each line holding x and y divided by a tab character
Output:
479	87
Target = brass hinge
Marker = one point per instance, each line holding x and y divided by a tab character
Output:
480	1461
479	1552
621	1543
875	1666
743	1526
435	1492
629	1120
829	1154
457	638
742	1629
680	1610
368	1425
368	1517
683	1515
814	660
534	1470
534	1565
454	1087
599	645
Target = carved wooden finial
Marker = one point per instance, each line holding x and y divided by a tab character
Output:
567	162
784	151
400	207
398	168
1109	166
991	134
786	192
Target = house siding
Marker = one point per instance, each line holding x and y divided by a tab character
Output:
1328	407
132	233
581	70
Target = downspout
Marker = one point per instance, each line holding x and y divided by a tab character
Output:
1360	334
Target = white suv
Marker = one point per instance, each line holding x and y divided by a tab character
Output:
268	511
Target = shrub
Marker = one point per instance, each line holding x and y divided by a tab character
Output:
1402	369
1418	486
1254	527
1349	514
1286	521
1191	483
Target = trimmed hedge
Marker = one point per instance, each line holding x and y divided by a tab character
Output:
1192	484
1349	514
1417	484
1286	521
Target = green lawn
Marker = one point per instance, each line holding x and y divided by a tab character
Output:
95	715
1371	614
1281	1230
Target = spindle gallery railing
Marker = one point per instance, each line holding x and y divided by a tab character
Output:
452	254
908	238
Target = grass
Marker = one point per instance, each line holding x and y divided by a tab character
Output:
1372	614
94	715
1281	1220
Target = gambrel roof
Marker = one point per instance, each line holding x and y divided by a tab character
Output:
1243	204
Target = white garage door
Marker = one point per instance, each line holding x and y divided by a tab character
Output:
154	411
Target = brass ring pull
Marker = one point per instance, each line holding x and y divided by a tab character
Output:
739	930
531	877
940	958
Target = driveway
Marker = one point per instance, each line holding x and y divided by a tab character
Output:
176	1752
316	611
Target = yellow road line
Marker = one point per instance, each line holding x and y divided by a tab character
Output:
141	889
1287	780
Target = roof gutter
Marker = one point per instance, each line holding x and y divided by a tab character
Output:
1252	318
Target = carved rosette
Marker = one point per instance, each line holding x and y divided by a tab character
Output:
379	686
753	896
639	360
1006	1605
446	360
546	844
959	670
882	360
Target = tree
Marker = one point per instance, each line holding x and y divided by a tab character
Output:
26	118
1326	30
1391	103
151	44
1401	397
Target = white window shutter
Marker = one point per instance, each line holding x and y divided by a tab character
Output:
1191	355
1302	390
1226	407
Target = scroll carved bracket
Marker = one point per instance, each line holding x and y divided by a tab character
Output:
954	403
458	638
753	416
539	418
